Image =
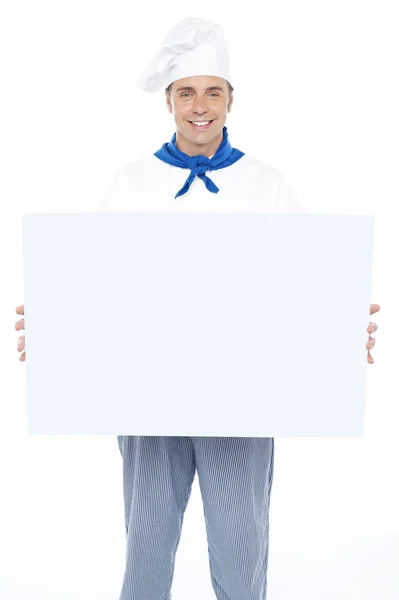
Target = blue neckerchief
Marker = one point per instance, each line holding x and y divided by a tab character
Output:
225	156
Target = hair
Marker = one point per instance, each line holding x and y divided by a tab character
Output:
168	90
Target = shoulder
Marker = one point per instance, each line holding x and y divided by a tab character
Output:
135	169
248	161
119	188
282	198
264	172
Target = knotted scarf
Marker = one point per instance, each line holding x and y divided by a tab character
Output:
225	156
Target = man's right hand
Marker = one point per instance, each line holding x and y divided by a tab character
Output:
20	310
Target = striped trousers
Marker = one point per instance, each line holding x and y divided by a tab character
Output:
235	476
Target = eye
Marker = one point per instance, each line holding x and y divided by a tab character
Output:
187	93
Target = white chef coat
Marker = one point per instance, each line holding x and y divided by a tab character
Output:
248	185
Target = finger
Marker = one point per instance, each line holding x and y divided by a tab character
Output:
20	309
370	343
20	324
374	308
370	358
23	356
372	327
21	343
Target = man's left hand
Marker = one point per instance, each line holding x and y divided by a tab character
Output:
371	328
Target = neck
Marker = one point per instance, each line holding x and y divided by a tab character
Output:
194	149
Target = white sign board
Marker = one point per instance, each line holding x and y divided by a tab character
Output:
197	324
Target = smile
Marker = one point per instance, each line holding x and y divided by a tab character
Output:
197	127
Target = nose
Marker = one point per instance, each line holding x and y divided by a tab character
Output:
199	105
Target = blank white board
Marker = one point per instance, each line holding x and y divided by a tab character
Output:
197	324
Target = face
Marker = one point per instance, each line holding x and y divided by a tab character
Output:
192	99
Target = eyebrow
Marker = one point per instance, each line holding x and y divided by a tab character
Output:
208	89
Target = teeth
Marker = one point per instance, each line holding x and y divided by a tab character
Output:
201	122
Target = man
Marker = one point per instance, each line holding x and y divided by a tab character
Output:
235	474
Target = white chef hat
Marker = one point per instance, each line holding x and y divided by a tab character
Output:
192	47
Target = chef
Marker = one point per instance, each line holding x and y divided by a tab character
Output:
197	171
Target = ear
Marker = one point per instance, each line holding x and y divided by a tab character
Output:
230	103
168	103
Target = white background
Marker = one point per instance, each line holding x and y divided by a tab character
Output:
316	96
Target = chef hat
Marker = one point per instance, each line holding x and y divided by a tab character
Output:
192	47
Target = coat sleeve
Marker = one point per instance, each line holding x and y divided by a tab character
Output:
285	200
117	194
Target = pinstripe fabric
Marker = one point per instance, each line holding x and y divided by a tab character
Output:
235	476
